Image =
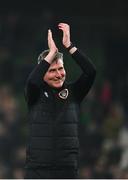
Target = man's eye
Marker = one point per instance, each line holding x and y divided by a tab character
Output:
61	68
52	70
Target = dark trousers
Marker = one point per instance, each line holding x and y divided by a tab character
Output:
44	173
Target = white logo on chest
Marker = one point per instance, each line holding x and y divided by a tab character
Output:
63	94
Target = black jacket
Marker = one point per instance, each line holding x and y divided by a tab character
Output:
53	121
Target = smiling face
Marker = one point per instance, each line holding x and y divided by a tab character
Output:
55	76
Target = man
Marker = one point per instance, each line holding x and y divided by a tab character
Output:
53	105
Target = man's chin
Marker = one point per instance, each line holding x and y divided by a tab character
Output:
57	86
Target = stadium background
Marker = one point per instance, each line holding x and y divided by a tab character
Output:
100	28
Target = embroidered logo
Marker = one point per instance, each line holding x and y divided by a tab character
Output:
63	94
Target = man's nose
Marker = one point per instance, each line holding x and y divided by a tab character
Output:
58	74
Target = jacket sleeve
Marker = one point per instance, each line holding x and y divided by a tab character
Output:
34	81
83	84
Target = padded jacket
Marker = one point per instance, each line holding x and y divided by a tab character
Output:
53	121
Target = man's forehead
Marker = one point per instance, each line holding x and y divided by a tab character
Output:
58	62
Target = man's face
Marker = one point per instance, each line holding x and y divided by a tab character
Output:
55	76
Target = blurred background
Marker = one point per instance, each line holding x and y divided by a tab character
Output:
100	29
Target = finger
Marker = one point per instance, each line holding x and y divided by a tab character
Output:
60	27
49	32
62	24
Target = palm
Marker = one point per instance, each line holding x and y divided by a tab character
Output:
66	33
51	43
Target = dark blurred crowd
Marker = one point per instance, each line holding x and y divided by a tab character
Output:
12	133
104	133
103	126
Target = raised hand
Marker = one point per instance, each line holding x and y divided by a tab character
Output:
51	43
52	48
66	34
